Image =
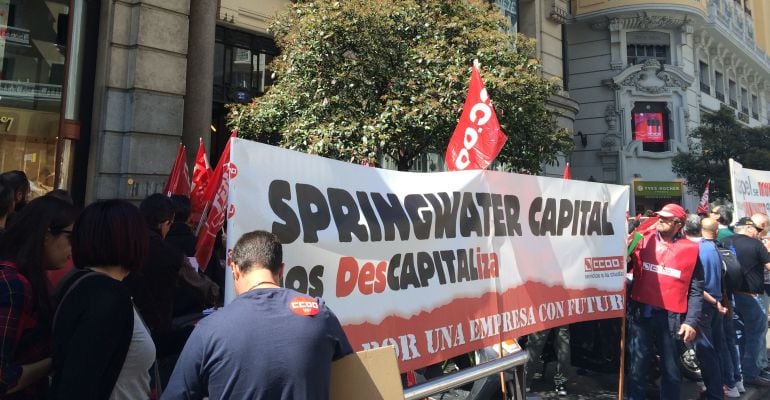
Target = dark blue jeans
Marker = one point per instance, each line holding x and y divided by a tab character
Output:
645	334
706	351
727	346
751	311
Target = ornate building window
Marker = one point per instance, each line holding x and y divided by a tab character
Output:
733	88
644	45
719	85
744	101
637	53
704	78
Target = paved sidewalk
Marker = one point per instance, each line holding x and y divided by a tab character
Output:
601	386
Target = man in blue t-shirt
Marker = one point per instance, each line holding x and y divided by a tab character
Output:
710	326
269	343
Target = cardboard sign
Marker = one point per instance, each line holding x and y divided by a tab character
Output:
370	374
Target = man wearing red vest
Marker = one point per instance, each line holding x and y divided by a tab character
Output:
665	303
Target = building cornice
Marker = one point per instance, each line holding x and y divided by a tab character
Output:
651	78
642	21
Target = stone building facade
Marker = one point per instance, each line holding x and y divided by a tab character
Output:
644	72
120	83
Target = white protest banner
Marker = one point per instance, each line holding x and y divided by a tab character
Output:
751	190
435	264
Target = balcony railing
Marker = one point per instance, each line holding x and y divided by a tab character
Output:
733	103
705	88
743	117
755	115
720	96
745	110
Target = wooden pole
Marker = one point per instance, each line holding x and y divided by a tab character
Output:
621	375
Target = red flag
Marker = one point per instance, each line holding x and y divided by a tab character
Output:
477	138
567	173
201	175
703	206
216	202
179	179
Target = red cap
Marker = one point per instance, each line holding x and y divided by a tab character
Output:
672	211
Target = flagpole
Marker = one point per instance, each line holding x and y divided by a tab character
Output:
621	375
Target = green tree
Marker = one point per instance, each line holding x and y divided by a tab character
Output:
358	79
719	138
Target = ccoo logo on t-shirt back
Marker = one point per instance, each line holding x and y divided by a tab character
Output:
304	306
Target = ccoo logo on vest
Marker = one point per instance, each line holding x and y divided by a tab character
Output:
597	264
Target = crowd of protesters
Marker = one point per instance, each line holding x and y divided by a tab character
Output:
711	286
99	303
103	303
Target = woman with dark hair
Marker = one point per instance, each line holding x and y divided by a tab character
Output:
38	239
102	348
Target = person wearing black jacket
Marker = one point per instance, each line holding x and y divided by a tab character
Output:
101	347
749	303
154	286
180	235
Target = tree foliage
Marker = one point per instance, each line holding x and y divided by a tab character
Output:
358	79
719	138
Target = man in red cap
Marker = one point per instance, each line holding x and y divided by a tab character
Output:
665	302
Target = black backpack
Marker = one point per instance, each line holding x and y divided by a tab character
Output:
732	273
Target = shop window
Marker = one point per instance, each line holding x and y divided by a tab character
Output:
719	85
32	58
241	62
650	126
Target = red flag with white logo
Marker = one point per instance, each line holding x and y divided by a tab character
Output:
216	196
703	206
201	174
567	173
179	179
477	138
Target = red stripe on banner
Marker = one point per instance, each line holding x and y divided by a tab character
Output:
468	324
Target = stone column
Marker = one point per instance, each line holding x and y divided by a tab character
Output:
200	76
138	97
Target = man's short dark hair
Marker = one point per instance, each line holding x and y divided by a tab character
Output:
181	207
6	200
156	208
110	232
258	248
